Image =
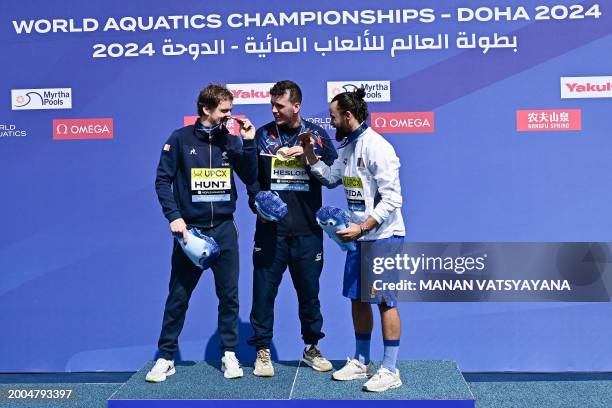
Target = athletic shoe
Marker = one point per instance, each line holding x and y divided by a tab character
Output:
230	365
162	369
313	357
354	370
383	380
263	364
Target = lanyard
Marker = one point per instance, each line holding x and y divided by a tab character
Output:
302	130
206	129
351	137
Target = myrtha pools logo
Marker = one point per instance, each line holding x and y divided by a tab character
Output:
376	91
43	98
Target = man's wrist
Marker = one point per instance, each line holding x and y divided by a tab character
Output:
311	160
364	229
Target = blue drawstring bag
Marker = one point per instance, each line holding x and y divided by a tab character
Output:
201	249
270	206
332	220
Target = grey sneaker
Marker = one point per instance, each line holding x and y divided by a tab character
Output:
263	364
354	370
313	357
383	380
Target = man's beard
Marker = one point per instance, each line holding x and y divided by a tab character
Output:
215	122
342	132
340	135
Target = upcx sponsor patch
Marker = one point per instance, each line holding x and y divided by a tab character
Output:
353	189
211	185
289	175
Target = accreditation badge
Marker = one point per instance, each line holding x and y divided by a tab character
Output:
289	175
353	187
211	185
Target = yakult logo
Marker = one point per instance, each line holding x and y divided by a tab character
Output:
41	98
251	94
548	120
403	122
70	129
586	87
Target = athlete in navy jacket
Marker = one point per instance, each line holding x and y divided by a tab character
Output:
296	241
196	188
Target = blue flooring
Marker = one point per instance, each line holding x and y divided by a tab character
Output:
543	394
491	390
83	395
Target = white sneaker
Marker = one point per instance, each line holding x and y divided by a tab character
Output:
230	365
313	357
383	380
162	369
263	364
353	370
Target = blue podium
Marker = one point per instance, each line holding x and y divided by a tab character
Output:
435	384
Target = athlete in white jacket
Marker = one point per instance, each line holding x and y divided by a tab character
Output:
369	170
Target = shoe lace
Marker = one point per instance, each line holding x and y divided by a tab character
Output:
264	357
382	372
161	364
315	353
232	359
354	362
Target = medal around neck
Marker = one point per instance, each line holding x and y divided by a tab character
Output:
270	206
281	154
201	249
333	219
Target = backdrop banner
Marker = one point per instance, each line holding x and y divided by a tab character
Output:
498	110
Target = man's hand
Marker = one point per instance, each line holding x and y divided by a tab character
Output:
179	228
351	233
294	151
308	150
247	130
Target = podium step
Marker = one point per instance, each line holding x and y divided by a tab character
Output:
431	383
